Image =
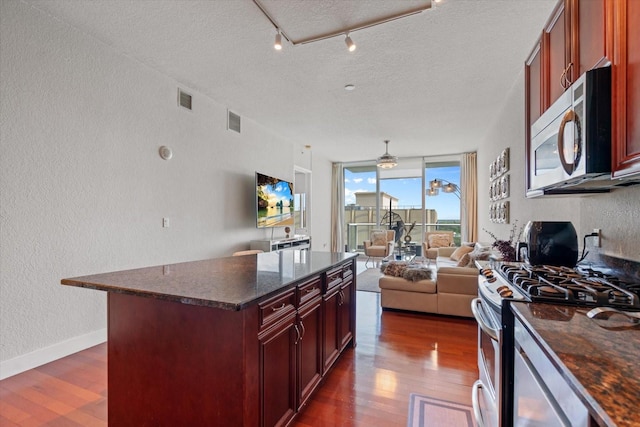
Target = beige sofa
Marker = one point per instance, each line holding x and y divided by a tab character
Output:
450	291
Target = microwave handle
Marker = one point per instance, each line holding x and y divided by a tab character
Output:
570	168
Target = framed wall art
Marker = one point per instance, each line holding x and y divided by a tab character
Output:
499	188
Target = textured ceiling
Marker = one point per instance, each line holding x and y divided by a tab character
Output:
432	83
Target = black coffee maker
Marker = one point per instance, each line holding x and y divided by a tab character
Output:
549	243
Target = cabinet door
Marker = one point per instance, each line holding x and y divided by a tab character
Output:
309	349
278	372
626	89
592	39
330	343
345	314
533	84
557	53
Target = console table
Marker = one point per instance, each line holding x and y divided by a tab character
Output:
268	245
228	341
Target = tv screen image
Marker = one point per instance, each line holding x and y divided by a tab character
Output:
274	199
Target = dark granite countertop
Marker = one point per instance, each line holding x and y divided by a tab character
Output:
600	359
231	283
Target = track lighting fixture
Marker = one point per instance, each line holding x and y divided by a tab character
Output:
278	43
387	161
350	44
338	32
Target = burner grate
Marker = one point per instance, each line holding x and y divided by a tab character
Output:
579	286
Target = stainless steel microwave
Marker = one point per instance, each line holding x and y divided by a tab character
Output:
570	147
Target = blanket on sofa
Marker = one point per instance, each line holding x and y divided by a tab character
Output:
407	270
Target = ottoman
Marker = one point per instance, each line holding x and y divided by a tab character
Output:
402	294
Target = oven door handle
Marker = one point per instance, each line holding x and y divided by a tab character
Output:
476	309
475	403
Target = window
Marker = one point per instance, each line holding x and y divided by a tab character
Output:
446	205
370	193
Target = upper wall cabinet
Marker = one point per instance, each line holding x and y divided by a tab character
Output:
581	35
626	89
577	38
556	48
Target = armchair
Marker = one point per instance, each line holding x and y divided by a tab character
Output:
434	240
380	245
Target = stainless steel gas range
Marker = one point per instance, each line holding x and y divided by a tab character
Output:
501	358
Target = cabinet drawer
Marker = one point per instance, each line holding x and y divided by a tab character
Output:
309	290
276	308
334	278
347	271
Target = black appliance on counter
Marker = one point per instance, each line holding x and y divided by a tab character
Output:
549	243
548	275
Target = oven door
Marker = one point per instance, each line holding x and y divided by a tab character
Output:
486	391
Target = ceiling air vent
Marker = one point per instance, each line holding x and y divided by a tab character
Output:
184	99
233	121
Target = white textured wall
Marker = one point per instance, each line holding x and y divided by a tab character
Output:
617	213
84	189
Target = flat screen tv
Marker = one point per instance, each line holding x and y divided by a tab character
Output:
274	202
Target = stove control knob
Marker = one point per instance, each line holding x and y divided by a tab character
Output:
506	293
491	279
502	288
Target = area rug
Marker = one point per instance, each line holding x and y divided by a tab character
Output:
368	280
429	412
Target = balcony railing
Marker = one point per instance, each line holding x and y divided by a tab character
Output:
358	232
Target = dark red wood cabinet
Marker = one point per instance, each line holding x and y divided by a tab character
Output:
557	69
577	37
581	35
345	318
179	364
625	75
339	319
278	373
309	346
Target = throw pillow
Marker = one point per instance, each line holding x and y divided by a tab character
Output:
468	260
439	240
479	249
464	261
378	238
415	274
460	252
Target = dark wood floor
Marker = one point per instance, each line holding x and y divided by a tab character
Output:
396	354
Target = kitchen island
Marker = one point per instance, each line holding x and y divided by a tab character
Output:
228	341
597	358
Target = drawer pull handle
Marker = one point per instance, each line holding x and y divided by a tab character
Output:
303	330
298	336
310	290
278	308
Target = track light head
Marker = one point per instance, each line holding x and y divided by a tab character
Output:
350	44
278	43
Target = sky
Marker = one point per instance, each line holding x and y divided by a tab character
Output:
408	190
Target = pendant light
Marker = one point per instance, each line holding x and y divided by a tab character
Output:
387	161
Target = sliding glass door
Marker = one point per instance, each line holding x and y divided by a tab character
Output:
398	198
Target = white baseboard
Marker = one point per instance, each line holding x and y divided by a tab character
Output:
11	367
